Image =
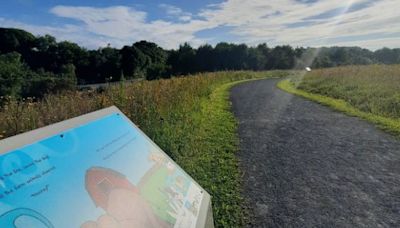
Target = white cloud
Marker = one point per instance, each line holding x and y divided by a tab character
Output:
67	32
274	21
257	20
124	25
176	12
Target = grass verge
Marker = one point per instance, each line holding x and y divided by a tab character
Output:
387	124
219	172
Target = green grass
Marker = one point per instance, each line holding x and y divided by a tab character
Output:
388	124
218	140
372	89
188	117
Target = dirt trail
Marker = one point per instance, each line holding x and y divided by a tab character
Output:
306	165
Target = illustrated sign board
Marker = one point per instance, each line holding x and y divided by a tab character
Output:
97	170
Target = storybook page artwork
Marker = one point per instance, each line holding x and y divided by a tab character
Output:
105	173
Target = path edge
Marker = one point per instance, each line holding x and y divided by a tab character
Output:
389	125
218	106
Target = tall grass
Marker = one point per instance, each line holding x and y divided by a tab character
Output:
373	89
369	92
187	117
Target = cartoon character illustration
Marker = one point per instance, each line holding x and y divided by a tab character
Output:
165	187
9	218
121	201
158	199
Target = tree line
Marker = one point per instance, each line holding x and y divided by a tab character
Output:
33	66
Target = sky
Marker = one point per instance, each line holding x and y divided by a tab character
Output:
370	24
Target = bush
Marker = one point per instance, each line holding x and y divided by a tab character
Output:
12	72
17	80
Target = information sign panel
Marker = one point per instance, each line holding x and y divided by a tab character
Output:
97	170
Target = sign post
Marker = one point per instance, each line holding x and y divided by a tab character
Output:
96	170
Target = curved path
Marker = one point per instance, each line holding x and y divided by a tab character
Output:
306	165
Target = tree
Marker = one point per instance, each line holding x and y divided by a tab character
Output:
182	61
68	73
44	57
156	71
205	59
133	62
12	73
15	40
264	51
223	56
43	54
43	43
387	56
111	64
68	53
282	57
156	67
156	54
255	59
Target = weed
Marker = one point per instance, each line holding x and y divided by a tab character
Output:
188	117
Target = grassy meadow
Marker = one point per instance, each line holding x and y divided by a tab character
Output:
370	92
188	117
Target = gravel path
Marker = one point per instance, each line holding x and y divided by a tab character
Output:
308	166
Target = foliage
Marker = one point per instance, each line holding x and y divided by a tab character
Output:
12	72
144	59
15	40
133	61
182	61
187	116
17	80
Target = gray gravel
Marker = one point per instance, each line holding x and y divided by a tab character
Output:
306	165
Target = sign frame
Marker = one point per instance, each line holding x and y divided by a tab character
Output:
205	216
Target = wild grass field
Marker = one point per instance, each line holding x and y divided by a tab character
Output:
188	117
371	92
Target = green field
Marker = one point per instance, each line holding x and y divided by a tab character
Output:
370	92
188	117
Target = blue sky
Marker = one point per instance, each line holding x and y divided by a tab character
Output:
368	23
